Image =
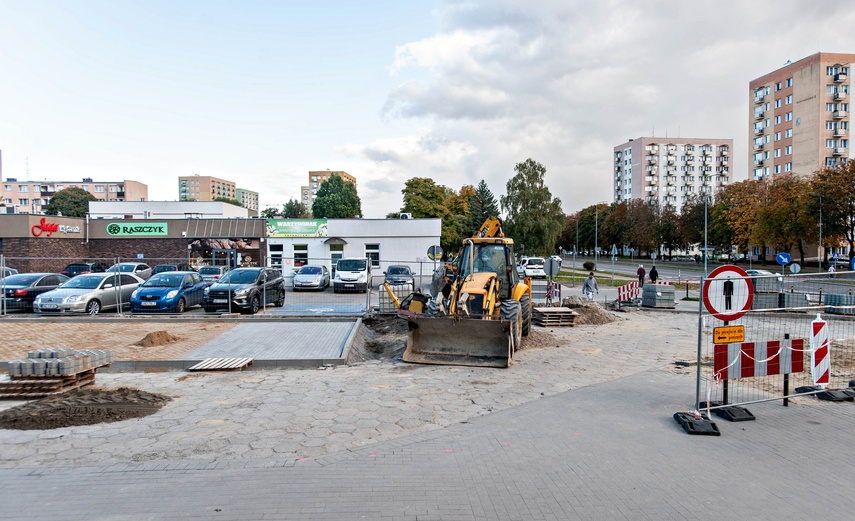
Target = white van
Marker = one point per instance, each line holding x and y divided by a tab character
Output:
352	274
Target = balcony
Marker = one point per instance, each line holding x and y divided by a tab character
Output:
758	114
653	151
758	146
758	162
840	151
759	96
652	160
652	180
690	160
724	161
838	132
724	152
839	114
840	77
707	152
839	96
758	131
671	160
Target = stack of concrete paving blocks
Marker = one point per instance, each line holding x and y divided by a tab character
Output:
59	362
658	296
766	293
839	304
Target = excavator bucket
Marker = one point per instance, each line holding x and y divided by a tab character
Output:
447	341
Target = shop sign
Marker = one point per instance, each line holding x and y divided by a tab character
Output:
47	228
296	227
137	230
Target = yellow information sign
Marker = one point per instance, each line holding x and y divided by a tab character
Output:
729	334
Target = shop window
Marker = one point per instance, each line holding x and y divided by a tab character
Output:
301	255
276	256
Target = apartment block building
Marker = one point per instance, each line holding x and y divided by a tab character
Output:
31	196
204	188
669	171
799	116
310	191
247	198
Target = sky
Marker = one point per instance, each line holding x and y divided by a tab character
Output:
261	92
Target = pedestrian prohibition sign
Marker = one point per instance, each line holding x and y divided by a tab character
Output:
728	292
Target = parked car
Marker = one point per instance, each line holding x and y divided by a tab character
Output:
89	293
139	269
312	277
22	289
399	274
81	268
172	291
211	274
531	267
160	268
352	274
764	273
247	289
6	271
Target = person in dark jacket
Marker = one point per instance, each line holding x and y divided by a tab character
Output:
641	274
653	274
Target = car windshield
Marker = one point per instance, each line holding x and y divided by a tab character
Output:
83	282
309	270
352	265
240	277
535	260
398	270
165	281
20	280
209	270
124	268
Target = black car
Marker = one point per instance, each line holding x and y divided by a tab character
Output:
160	268
79	268
21	290
247	289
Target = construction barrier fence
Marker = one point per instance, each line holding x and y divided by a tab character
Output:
773	337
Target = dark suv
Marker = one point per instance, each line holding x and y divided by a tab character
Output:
82	268
160	268
247	289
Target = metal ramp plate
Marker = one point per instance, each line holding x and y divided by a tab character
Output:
221	364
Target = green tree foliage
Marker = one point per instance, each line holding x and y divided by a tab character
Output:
786	222
482	204
425	199
269	213
665	229
70	202
337	199
295	209
534	217
227	200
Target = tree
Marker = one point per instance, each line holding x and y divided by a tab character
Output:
835	188
70	202
294	209
269	213
534	217
425	199
482	204
786	222
336	199
227	200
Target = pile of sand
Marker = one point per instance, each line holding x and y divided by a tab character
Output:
589	312
157	338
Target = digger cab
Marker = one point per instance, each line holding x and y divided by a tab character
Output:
491	257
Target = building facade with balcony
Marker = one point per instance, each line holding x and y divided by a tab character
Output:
248	199
799	116
204	188
309	192
32	196
670	171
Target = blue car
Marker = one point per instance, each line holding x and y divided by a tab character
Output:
171	292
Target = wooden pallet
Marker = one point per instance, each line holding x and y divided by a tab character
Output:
554	317
25	387
222	364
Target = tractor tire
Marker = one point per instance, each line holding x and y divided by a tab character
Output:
510	311
525	304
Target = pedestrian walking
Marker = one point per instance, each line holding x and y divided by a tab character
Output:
641	273
590	286
831	271
653	274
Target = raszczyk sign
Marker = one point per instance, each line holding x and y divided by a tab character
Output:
137	230
48	228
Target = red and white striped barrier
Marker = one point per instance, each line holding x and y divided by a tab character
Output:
747	359
627	291
820	357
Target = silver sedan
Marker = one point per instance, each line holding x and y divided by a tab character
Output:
90	293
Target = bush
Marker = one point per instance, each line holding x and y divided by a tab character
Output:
589	266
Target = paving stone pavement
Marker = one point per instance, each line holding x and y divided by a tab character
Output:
581	430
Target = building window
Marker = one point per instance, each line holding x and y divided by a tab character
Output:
99	189
788	150
788	133
23	188
789	100
830	107
789	82
372	251
24	202
777	169
777	152
789	116
778	103
788	167
8	188
8	201
85	187
777	120
778	86
777	136
301	255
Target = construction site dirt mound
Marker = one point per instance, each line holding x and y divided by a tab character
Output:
590	313
82	407
157	338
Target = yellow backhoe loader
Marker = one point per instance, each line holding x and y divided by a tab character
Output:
481	313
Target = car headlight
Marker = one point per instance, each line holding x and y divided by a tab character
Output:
73	298
172	294
206	291
241	292
135	293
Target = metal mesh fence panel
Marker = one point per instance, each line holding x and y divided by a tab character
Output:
774	336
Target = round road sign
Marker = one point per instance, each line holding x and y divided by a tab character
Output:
783	258
728	292
434	252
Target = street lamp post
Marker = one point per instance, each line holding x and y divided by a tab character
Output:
596	233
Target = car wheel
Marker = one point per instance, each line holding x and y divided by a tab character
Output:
93	307
254	305
179	308
281	300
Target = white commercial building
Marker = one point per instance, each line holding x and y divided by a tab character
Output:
166	210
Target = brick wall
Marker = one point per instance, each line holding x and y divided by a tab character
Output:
43	253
